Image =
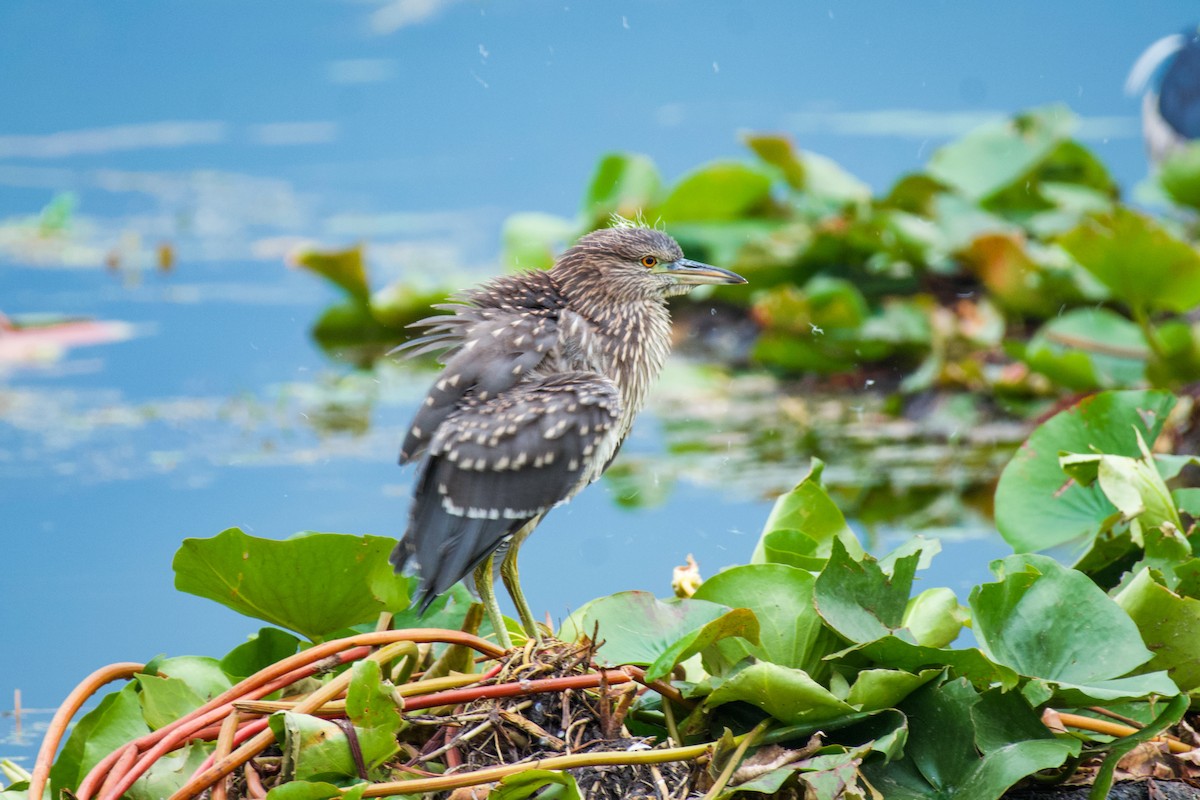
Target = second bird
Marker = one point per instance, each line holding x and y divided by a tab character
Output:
544	374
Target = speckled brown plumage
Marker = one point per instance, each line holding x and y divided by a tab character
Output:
544	373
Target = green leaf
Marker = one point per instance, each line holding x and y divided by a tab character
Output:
274	580
1141	263
165	700
969	663
934	617
949	757
1170	715
638	628
1179	175
781	597
806	509
740	622
1000	154
1081	648
531	239
1169	625
877	689
315	790
262	649
170	772
343	268
623	183
317	749
789	695
531	782
1089	348
722	190
1037	506
203	674
779	152
859	600
369	702
115	722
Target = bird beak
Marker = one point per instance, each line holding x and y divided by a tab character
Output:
693	273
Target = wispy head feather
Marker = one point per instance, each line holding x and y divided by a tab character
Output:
615	220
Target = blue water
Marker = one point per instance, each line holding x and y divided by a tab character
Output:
236	130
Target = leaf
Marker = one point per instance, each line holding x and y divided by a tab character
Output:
790	631
997	155
317	749
721	190
808	510
779	152
1081	647
165	700
315	790
934	617
170	772
1141	263
948	757
115	722
623	183
877	689
343	268
530	782
274	580
1179	175
858	600
369	703
1089	348
638	628
1037	506
789	695
531	240
204	675
262	649
969	663
1169	625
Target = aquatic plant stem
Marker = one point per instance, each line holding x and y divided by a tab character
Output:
574	761
266	738
1116	729
735	759
62	718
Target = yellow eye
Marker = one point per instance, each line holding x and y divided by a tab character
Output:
649	262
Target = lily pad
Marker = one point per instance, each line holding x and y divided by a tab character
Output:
273	580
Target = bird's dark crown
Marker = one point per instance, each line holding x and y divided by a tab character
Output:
624	244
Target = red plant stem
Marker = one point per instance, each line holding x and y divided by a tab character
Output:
457	696
206	715
257	685
128	754
224	747
62	718
244	732
198	783
254	788
191	725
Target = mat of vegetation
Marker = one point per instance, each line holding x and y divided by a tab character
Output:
814	670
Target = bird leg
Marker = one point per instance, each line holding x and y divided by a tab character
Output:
508	572
484	584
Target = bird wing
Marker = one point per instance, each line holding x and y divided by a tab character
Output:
492	350
493	465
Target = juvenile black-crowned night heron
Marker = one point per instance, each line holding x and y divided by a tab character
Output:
1171	110
544	374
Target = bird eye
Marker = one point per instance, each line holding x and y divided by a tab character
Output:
649	262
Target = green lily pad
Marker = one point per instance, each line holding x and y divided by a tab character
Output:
1037	506
1142	264
1082	648
781	597
638	628
274	580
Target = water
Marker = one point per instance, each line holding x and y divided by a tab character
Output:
234	132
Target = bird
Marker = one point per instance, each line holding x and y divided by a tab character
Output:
543	374
1170	114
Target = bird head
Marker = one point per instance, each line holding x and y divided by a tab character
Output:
632	262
